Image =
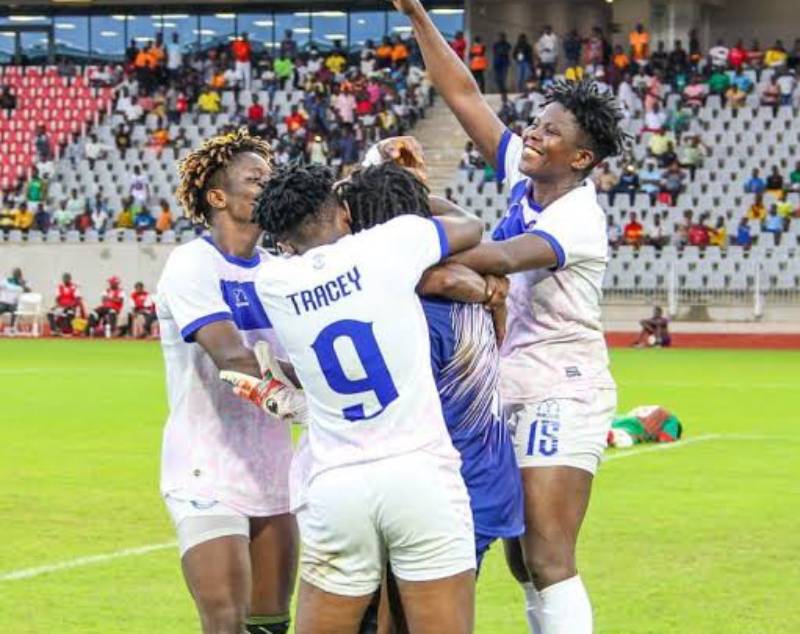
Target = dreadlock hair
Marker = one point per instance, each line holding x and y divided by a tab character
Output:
382	192
293	195
596	112
199	169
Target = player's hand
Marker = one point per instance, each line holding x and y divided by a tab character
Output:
496	291
273	392
496	294
409	7
407	152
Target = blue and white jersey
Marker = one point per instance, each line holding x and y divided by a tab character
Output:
352	325
465	363
216	445
554	342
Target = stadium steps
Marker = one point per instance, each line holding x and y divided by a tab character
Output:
443	140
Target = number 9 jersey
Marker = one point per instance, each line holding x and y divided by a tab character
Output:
353	327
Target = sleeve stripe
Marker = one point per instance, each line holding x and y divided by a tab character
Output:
502	149
188	331
561	258
444	245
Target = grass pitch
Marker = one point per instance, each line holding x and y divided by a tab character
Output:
701	538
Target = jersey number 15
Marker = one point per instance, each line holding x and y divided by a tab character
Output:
376	375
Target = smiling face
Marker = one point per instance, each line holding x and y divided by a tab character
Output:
236	188
555	146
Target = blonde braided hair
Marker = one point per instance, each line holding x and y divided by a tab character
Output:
200	165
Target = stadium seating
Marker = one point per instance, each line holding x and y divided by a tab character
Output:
754	139
64	105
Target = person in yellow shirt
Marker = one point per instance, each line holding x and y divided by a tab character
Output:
784	207
125	217
776	55
335	62
718	236
24	218
757	210
209	101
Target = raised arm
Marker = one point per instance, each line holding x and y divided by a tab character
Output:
454	82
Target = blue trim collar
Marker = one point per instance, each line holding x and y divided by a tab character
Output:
245	263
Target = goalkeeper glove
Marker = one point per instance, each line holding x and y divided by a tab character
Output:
273	392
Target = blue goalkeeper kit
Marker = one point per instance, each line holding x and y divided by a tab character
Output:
465	363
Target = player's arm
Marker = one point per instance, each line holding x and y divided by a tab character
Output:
223	343
459	233
520	253
454	82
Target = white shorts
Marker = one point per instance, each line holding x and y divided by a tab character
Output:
199	520
564	431
412	510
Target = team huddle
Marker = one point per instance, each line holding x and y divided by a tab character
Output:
453	391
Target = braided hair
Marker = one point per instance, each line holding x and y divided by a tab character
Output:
597	113
198	171
293	196
382	192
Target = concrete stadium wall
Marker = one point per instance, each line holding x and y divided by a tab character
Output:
90	265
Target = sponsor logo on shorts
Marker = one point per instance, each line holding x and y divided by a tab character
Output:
572	372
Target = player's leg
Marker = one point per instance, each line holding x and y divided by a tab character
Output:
321	612
516	564
559	443
556	499
273	553
217	573
441	605
215	558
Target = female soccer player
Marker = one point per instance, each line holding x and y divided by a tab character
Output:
225	463
554	372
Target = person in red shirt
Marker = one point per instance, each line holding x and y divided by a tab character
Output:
699	234
295	120
737	56
109	309
242	52
143	312
633	232
69	305
255	113
459	45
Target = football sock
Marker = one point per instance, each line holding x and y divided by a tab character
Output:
565	608
533	608
278	624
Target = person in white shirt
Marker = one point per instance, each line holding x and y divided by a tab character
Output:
174	56
787	82
11	288
94	150
547	49
718	55
380	478
139	187
225	463
554	380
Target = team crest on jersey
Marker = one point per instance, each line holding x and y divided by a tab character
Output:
318	261
548	410
240	297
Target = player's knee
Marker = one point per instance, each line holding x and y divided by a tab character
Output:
222	614
551	563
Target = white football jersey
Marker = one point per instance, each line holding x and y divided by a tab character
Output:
216	445
554	344
352	325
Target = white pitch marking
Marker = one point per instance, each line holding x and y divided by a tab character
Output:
27	573
622	453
